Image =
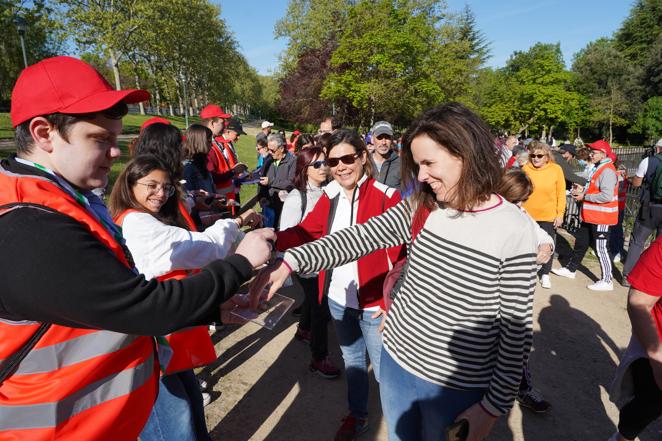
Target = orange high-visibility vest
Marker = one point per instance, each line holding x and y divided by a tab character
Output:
192	347
224	164
74	384
600	213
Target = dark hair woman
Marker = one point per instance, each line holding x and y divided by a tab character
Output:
459	328
354	291
163	141
144	203
303	141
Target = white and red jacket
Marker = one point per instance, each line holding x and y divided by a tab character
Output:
373	199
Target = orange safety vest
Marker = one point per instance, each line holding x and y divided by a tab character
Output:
605	213
192	347
223	164
74	384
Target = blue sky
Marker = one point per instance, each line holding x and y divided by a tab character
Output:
508	25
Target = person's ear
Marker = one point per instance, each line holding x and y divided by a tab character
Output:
43	133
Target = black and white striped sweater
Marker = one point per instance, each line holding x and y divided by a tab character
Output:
463	315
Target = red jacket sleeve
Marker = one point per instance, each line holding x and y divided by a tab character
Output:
399	252
311	228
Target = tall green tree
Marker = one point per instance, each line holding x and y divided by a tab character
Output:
640	30
649	119
609	81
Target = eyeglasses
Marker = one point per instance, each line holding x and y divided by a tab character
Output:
317	164
155	187
538	156
347	159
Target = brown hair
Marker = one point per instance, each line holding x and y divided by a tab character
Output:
351	137
466	136
198	141
515	186
304	159
122	198
539	145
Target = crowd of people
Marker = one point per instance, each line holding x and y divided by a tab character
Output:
423	249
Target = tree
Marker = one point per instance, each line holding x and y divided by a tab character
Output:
649	119
640	30
43	39
609	81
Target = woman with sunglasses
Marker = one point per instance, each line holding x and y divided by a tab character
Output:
546	205
353	291
460	325
145	203
309	180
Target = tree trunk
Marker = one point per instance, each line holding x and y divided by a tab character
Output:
181	104
116	70
611	115
170	108
140	105
157	98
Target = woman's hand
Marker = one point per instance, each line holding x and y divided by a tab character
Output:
264	181
382	313
274	275
544	253
480	422
257	246
558	221
251	219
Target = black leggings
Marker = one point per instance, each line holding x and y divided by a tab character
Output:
315	318
646	406
549	229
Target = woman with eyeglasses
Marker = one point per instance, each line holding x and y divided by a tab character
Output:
460	326
354	290
546	205
145	203
310	178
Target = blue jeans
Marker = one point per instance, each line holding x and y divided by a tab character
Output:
357	331
415	409
178	413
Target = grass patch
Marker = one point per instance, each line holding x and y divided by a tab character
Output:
6	130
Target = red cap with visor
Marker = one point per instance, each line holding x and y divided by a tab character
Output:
155	120
601	145
65	85
213	111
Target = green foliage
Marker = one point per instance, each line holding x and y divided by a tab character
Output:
640	30
649	119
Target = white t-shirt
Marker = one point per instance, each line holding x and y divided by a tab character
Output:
641	168
158	248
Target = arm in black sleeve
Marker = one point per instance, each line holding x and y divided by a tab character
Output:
55	271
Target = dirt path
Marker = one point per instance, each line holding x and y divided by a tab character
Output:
263	390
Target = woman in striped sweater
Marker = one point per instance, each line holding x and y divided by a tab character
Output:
459	328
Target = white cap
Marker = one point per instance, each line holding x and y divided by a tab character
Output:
266	124
658	143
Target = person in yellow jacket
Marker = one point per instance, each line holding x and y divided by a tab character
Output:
547	202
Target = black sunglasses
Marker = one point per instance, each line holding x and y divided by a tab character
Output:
538	156
317	164
347	159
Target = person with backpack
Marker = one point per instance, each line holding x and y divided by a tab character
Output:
649	177
309	181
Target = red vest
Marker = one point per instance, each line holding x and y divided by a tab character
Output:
192	347
600	213
74	384
223	164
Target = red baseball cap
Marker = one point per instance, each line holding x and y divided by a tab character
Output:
601	145
65	85
155	120
296	132
213	111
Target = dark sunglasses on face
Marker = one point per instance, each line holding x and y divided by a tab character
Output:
347	159
538	156
317	164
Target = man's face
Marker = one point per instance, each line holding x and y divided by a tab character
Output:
276	152
231	135
383	144
567	156
216	127
596	156
85	160
267	130
326	126
511	142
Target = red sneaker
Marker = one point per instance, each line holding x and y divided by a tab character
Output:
324	368
351	428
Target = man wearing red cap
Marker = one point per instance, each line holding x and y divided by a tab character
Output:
599	211
75	362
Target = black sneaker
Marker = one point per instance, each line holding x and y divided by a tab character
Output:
296	312
533	400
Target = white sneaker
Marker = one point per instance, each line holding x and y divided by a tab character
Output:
206	399
545	282
617	258
601	285
203	384
564	272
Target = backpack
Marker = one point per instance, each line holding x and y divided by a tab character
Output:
656	181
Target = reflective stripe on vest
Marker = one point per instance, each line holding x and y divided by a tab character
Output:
51	414
600	213
109	375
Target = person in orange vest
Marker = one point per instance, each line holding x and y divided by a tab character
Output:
76	360
599	211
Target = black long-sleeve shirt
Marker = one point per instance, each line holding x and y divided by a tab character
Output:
53	270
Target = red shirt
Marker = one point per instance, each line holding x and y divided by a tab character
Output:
646	277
